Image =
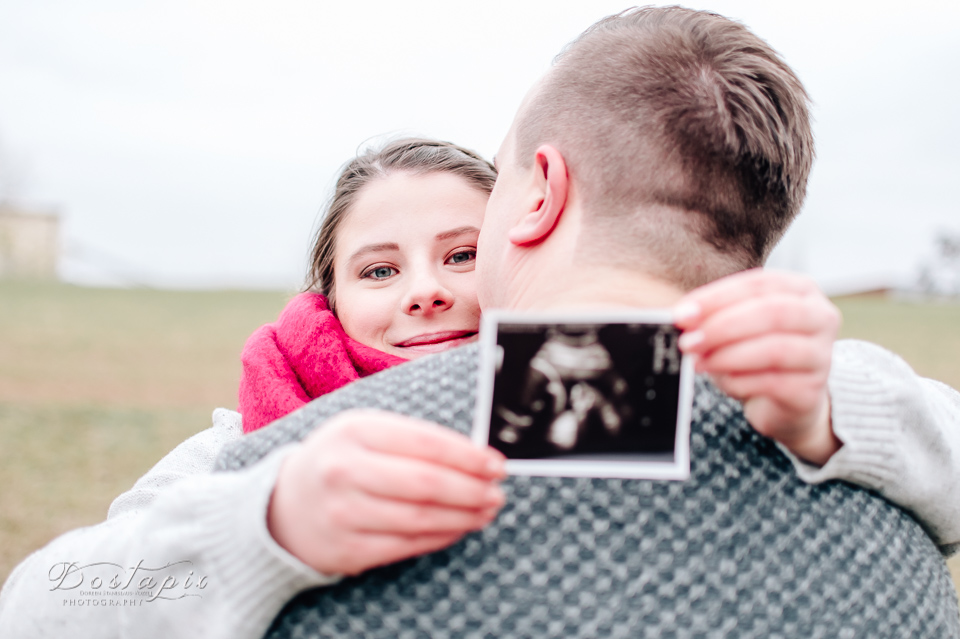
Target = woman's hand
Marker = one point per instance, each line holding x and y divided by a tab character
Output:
371	488
766	338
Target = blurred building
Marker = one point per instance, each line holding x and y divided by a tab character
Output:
29	243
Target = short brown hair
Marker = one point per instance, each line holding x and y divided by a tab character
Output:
417	156
671	108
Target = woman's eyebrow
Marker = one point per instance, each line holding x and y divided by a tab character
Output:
374	248
460	230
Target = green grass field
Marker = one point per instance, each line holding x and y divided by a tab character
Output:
96	385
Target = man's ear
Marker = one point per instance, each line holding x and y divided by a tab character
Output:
550	177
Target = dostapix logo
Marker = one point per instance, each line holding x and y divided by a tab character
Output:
109	584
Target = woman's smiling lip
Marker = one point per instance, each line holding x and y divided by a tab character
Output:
436	342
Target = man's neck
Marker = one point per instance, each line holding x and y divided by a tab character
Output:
598	287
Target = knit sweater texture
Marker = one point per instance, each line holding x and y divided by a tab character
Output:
743	548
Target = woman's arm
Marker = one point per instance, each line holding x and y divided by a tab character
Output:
185	552
900	434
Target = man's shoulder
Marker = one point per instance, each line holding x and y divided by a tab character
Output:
440	388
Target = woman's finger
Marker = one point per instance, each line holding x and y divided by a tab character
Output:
793	392
779	352
697	305
776	313
369	550
399	435
366	513
409	479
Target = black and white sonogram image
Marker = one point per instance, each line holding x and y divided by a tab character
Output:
568	392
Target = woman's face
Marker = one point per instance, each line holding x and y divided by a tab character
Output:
404	264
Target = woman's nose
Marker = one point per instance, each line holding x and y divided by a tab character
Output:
427	295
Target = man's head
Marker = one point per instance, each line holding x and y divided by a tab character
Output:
685	143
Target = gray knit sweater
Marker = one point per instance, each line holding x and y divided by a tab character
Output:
743	548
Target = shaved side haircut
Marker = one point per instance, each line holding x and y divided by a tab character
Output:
687	136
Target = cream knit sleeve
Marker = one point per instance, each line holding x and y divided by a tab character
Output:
900	434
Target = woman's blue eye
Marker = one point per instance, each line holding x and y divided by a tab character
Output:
462	257
381	272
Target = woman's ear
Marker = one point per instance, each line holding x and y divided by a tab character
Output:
550	177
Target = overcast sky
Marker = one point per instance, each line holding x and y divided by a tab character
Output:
193	142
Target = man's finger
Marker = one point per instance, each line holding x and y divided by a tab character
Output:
702	302
777	313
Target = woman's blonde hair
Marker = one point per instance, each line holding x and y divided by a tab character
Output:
417	156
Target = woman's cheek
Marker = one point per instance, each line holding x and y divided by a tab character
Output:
365	315
468	294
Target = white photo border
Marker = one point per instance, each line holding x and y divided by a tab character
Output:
677	469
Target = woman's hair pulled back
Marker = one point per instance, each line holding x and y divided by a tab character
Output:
416	156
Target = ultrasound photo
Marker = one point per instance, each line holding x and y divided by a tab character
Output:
602	396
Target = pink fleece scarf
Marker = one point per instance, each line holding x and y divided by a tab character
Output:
301	356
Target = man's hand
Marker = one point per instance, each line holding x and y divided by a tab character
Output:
371	488
766	338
